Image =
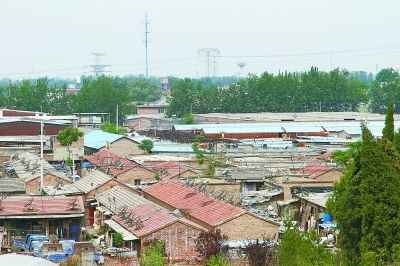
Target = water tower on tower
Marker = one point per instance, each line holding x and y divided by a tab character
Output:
241	65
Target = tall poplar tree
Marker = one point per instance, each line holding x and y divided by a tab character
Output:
388	130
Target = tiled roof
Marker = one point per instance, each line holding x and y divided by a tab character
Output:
105	160
27	166
13	206
198	205
116	198
170	169
97	139
12	185
84	185
152	218
315	170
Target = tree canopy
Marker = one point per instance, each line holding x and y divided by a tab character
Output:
286	92
366	199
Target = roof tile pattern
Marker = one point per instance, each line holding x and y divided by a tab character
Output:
198	205
41	206
109	162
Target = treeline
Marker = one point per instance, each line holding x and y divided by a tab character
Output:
311	91
102	94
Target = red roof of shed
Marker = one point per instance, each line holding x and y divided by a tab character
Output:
198	205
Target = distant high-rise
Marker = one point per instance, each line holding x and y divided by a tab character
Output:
164	85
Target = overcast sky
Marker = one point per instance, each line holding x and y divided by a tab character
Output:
56	38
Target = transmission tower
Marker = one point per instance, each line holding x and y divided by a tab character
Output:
98	67
209	56
146	43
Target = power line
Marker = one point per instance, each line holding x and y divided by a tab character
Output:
319	53
98	67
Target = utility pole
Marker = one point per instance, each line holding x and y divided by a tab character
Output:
41	156
116	122
146	43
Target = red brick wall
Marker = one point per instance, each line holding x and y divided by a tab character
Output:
248	226
147	110
32	186
179	239
110	184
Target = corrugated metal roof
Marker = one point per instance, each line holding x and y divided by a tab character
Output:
126	235
116	198
97	139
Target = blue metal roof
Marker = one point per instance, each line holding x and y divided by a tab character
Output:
97	139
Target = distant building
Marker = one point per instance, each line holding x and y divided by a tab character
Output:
92	119
158	107
164	85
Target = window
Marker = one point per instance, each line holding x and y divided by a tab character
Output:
137	182
161	110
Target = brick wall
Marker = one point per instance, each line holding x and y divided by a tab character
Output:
60	152
138	172
330	176
248	226
179	239
110	184
148	110
124	147
32	186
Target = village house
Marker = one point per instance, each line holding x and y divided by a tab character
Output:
26	166
122	169
152	223
211	213
322	173
120	145
21	215
174	171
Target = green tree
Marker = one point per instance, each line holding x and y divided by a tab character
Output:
343	158
153	254
117	239
302	249
111	128
388	130
146	145
144	90
385	89
187	120
67	137
365	203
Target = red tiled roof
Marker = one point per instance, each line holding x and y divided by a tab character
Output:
152	218
48	205
315	170
170	169
198	205
104	159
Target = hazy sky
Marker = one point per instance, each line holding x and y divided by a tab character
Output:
56	38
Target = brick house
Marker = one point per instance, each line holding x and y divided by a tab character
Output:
322	173
120	145
234	222
174	171
176	232
58	215
123	170
27	167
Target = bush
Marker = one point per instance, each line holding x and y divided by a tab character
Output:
218	260
210	243
117	240
111	128
146	145
260	253
187	120
153	254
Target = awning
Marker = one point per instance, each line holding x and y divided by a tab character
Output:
126	235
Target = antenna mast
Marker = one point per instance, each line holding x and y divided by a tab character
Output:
146	43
